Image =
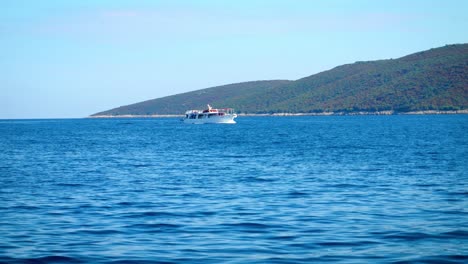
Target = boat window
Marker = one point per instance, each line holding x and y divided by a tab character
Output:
200	116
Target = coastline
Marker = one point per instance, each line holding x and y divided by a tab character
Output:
425	112
136	116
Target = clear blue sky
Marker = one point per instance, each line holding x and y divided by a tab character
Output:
67	58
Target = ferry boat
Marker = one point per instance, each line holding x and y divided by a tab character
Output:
210	116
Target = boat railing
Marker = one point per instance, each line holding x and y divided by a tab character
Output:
226	110
219	110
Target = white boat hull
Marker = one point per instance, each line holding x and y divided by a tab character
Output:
225	119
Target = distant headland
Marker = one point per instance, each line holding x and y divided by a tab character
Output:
426	112
428	82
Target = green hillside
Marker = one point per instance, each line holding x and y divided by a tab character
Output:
220	96
436	79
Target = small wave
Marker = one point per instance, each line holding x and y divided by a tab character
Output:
283	238
59	259
151	214
139	261
70	184
45	259
100	232
295	194
191	195
204	213
125	203
236	156
156	226
462	193
426	185
346	244
410	236
25	207
250	227
257	179
306	246
456	257
346	186
7	246
141	165
456	234
452	259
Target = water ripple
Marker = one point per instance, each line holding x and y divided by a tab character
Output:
387	189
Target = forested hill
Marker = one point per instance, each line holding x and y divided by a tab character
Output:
435	79
219	96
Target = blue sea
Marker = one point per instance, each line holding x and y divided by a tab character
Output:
310	189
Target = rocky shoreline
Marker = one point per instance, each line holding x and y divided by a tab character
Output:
426	112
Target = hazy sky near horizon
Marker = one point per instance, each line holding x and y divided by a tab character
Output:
74	58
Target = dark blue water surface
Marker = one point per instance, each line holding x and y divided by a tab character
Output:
351	189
